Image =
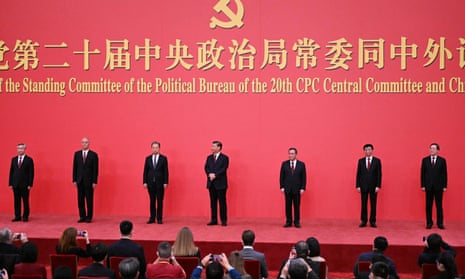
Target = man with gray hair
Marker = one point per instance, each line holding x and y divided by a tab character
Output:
6	241
165	266
129	268
21	180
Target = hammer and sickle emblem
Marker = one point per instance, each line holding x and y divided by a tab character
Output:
235	18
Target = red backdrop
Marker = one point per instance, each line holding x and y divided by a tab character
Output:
256	129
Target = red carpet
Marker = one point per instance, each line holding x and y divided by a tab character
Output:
341	240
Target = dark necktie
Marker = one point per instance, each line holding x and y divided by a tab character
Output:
214	158
20	162
84	157
292	167
155	162
433	162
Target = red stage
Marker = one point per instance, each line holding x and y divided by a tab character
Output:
341	240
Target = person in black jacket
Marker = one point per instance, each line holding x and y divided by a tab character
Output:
85	176
434	184
68	243
97	268
368	184
292	182
446	266
21	180
156	181
216	167
433	246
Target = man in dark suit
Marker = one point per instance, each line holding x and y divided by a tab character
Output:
97	268
292	181
216	168
125	247
85	175
368	184
248	252
434	183
156	181
21	180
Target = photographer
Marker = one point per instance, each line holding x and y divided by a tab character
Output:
300	251
214	265
6	241
433	246
68	243
165	266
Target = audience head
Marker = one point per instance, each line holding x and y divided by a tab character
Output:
379	270
313	246
129	268
379	258
248	237
301	249
446	262
62	272
236	260
380	243
99	252
68	239
298	269
214	271
29	252
434	241
125	228
164	250
184	243
6	235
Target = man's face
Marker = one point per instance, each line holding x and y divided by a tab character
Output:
21	150
85	143
433	150
368	151
292	154
215	148
155	148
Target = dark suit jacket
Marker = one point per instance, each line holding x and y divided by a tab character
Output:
368	256
24	176
368	180
128	248
87	173
293	183
219	168
251	254
433	178
97	270
159	175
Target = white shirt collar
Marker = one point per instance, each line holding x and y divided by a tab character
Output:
248	247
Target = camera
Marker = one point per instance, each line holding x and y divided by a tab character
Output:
215	258
17	236
81	233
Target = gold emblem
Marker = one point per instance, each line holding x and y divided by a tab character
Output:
235	18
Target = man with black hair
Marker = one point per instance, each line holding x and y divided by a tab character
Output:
97	268
214	266
248	252
368	184
292	182
379	270
155	180
434	184
165	266
434	244
216	167
125	247
29	266
380	244
300	251
129	268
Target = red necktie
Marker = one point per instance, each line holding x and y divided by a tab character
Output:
369	164
292	167
20	162
214	158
